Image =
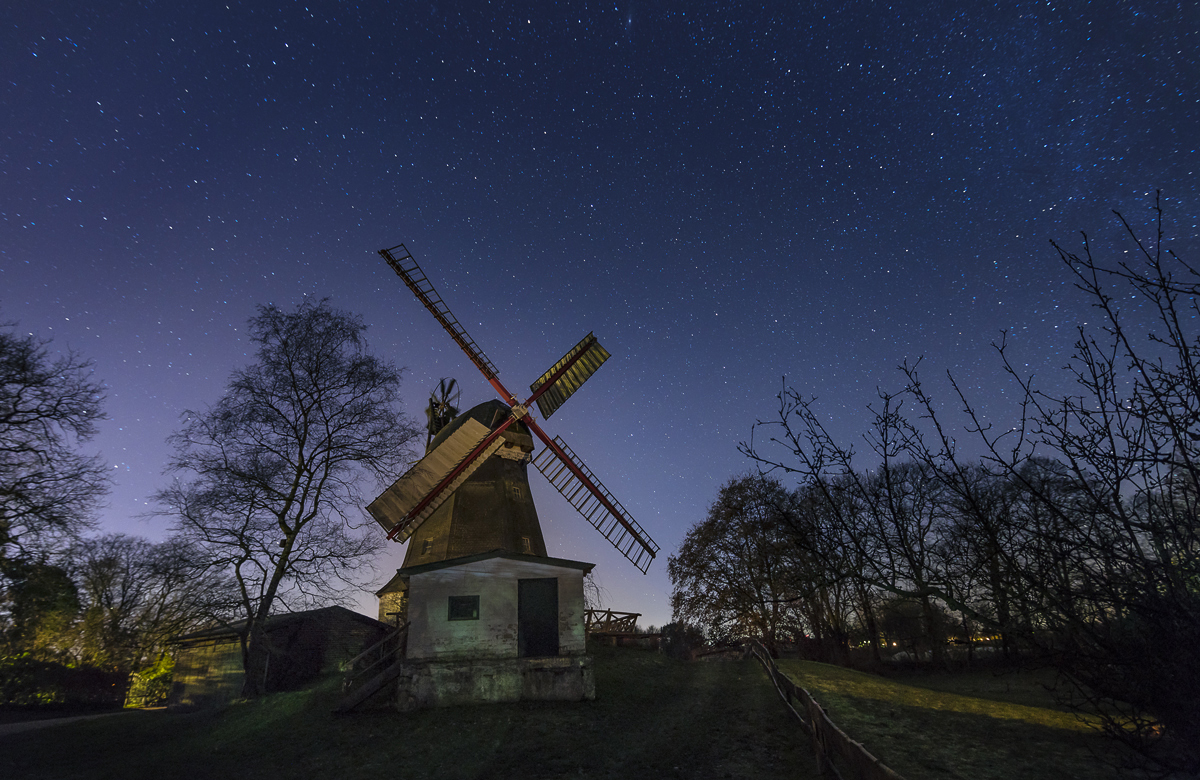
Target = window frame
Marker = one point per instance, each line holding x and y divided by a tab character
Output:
465	604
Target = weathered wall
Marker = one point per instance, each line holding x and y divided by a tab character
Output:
207	674
393	601
393	606
494	635
208	669
424	684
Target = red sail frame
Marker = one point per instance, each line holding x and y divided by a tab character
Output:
407	269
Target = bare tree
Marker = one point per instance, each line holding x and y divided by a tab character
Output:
1079	533
48	406
136	595
1120	544
891	521
269	477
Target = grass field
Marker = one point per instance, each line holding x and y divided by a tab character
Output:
653	718
981	725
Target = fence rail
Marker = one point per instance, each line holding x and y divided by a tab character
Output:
605	621
853	761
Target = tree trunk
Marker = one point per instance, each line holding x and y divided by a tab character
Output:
255	658
257	654
969	635
1003	614
872	626
936	650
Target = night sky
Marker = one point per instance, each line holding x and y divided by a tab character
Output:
725	194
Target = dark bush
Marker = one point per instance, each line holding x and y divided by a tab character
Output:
679	640
26	682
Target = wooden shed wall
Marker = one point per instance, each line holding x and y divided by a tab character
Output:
207	673
302	646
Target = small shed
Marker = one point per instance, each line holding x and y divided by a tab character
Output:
302	646
497	626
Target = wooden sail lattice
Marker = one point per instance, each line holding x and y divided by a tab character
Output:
622	532
398	505
410	501
591	357
403	263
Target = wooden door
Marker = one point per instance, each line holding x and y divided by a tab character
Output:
537	617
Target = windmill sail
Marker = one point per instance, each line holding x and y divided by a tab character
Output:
591	357
405	266
394	506
620	529
414	497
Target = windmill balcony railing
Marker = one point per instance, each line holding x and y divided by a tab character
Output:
606	621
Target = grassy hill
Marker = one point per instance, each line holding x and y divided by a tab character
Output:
979	725
653	717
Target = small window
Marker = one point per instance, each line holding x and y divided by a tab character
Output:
526	545
426	547
464	608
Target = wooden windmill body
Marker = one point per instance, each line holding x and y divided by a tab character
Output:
492	509
489	615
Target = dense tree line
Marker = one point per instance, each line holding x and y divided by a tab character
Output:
1074	537
110	603
70	601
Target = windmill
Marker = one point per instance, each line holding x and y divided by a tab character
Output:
482	613
460	452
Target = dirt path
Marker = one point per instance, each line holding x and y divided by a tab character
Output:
30	725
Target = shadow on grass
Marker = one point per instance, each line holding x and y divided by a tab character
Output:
924	733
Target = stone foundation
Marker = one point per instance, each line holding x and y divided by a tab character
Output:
425	684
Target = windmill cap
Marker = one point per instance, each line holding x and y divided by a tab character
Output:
491	414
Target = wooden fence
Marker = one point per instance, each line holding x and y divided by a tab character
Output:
837	754
605	621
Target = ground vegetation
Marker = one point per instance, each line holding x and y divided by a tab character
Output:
667	718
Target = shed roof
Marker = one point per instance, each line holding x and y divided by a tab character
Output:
275	622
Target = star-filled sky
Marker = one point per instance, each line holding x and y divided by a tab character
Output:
726	194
